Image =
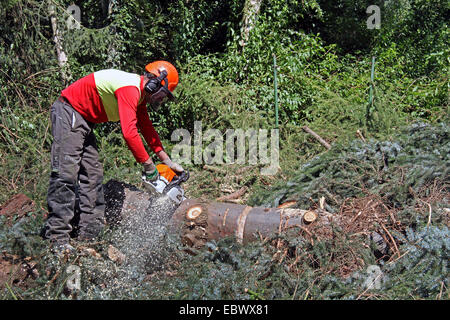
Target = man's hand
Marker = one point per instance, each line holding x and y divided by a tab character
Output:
173	165
162	155
150	172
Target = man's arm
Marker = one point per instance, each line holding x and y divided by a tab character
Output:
152	138
128	98
148	131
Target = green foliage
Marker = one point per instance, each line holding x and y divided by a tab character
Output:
409	161
142	29
418	30
423	272
201	27
25	140
23	237
94	14
345	23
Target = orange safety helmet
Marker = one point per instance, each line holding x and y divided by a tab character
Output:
172	73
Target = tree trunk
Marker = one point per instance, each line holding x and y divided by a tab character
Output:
250	15
197	221
57	39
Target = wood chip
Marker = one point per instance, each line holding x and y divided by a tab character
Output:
115	255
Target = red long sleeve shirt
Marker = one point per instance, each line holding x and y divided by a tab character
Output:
113	95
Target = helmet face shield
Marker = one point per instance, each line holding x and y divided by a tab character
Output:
160	97
159	91
163	75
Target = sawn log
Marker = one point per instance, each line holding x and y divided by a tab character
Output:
198	221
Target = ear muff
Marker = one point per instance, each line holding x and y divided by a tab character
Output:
155	84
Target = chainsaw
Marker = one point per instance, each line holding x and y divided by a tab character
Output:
168	183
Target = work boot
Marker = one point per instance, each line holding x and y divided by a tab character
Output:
89	234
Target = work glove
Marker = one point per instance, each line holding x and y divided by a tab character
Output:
173	165
150	172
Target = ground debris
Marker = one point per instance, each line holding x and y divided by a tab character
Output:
17	271
17	207
115	255
90	251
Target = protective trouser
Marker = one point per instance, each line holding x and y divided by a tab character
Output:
74	160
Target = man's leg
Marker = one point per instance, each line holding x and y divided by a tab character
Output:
68	139
92	202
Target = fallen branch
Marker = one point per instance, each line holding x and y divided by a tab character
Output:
234	195
429	214
392	239
360	135
214	169
319	138
237	201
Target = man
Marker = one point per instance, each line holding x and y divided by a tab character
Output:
106	95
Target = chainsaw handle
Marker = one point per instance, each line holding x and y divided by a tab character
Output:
182	177
177	180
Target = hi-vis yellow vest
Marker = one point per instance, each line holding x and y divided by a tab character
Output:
107	82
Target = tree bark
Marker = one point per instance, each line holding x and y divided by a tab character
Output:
250	15
57	39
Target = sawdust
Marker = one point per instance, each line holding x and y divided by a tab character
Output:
141	235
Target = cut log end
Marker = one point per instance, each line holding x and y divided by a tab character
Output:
194	230
194	212
309	217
